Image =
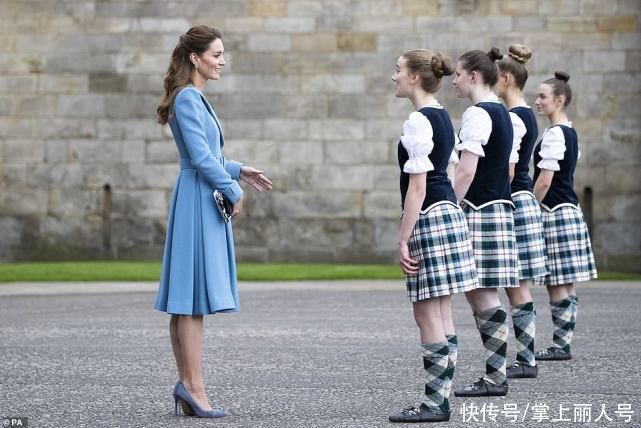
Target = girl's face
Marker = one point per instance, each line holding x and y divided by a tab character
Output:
546	103
211	62
403	80
463	81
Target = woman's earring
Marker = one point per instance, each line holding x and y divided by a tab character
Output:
196	66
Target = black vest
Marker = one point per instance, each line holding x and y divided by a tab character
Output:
492	178
522	180
561	190
439	188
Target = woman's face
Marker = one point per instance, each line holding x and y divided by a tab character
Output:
402	79
211	62
462	81
546	103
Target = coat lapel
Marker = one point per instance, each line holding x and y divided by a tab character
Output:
213	114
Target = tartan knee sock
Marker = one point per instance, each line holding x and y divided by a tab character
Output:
563	325
524	322
435	357
575	308
452	342
492	325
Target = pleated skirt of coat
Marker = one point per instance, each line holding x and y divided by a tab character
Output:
198	274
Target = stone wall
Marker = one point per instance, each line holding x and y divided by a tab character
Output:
85	172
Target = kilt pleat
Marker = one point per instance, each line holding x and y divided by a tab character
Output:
569	250
494	243
530	243
441	244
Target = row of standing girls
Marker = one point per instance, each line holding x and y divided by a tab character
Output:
488	226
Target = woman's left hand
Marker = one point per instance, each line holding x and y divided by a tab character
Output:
255	178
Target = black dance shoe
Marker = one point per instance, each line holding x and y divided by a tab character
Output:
420	414
552	354
521	371
482	388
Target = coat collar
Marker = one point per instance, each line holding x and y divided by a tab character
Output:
211	112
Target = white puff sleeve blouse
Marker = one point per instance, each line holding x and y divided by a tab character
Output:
417	140
476	128
552	149
519	131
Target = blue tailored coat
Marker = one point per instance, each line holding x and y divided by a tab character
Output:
198	274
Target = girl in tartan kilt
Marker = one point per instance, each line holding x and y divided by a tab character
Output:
434	248
527	214
483	185
569	252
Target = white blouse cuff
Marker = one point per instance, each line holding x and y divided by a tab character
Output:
549	164
514	156
475	147
418	165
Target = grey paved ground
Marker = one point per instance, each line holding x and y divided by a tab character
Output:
340	354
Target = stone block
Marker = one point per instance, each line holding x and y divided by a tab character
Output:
552	61
151	176
23	150
384	129
261	42
145	203
618	238
313	234
381	24
330	177
578	41
542	40
14	84
7	43
34	106
23	201
624	134
95	151
420	8
633	60
136	62
617	208
285	129
80	106
66	62
263	9
589	7
6	106
620	24
528	23
130	106
386	205
243	128
251	254
300	153
140	83
306	106
238	24
132	151
129	129
386	178
10	230
386	234
63	175
161	152
256	231
625	40
107	83
629	6
115	175
357	153
570	24
623	179
338	15
13	175
64	128
348	106
76	204
314	204
565	8
333	83
159	25
56	151
604	61
259	205
356	42
63	83
615	154
517	8
304	8
289	25
250	106
314	42
336	129
251	152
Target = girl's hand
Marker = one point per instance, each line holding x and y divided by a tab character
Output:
409	266
255	178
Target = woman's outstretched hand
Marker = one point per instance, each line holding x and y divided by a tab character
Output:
255	178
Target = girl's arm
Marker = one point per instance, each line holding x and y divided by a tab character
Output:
413	202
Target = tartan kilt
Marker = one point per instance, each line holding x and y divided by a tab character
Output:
441	245
530	243
569	251
494	242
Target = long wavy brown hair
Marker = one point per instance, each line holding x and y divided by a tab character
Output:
196	40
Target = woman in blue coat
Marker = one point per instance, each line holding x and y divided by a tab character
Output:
199	269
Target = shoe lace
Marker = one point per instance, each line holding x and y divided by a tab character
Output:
411	411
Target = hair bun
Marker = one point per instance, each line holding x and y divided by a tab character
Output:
495	54
441	65
562	75
520	53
